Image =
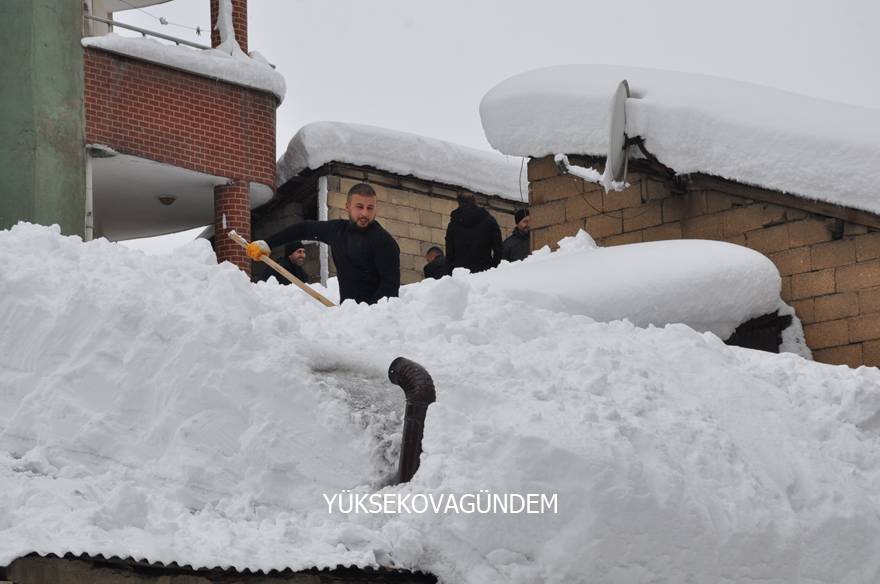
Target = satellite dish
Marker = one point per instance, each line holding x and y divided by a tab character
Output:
615	164
614	177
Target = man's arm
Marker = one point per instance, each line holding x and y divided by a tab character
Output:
496	242
312	230
387	258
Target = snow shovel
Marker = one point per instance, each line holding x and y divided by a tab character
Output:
275	266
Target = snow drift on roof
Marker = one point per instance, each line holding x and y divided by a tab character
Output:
235	67
165	408
405	154
695	123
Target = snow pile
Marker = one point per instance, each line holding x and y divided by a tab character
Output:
403	153
708	285
694	123
165	408
226	65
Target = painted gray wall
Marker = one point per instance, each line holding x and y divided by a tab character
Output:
42	155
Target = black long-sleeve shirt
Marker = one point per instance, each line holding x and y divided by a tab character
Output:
367	260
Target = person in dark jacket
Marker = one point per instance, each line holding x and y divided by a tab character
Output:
517	246
436	264
294	262
366	256
473	238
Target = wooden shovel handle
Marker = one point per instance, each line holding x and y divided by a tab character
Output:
278	268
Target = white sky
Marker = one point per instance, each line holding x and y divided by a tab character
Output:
423	67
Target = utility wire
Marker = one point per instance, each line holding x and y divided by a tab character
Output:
164	21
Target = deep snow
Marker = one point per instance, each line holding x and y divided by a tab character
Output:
404	153
695	123
164	407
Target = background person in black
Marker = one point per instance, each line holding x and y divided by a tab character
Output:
436	264
293	262
517	246
366	256
473	238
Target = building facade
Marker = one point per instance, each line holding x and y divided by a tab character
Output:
415	211
828	255
135	142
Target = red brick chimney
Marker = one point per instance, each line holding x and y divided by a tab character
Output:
239	23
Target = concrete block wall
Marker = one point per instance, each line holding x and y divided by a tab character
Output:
830	265
415	212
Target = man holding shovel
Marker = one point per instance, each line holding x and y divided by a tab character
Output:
366	256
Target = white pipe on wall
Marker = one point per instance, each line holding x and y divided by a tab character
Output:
322	216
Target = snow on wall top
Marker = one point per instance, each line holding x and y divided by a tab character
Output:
402	153
695	123
165	408
230	65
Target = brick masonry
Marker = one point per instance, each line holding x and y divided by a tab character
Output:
232	202
178	118
830	267
239	23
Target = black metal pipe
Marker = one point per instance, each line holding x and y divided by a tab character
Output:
418	387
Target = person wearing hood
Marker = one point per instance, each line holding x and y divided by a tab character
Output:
517	246
473	237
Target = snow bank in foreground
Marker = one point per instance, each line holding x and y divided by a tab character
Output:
403	153
234	67
695	123
166	408
707	285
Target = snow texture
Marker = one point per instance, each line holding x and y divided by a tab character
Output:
228	63
405	154
747	133
167	409
708	285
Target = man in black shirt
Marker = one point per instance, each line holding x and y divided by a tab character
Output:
435	266
366	256
473	238
517	247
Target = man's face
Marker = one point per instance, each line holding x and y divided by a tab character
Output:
361	210
431	255
523	225
298	256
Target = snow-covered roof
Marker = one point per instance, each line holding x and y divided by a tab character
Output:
695	123
405	154
226	65
164	408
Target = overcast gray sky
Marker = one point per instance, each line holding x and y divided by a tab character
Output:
423	67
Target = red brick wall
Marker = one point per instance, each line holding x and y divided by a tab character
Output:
233	201
239	23
179	118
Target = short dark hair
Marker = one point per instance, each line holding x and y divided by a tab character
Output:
362	189
434	248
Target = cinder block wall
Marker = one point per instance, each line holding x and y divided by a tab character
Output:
828	256
415	212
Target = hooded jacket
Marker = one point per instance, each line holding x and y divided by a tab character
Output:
473	239
367	259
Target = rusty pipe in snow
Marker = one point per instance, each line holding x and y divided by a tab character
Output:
418	387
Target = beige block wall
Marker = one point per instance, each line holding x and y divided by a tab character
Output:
830	267
415	212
